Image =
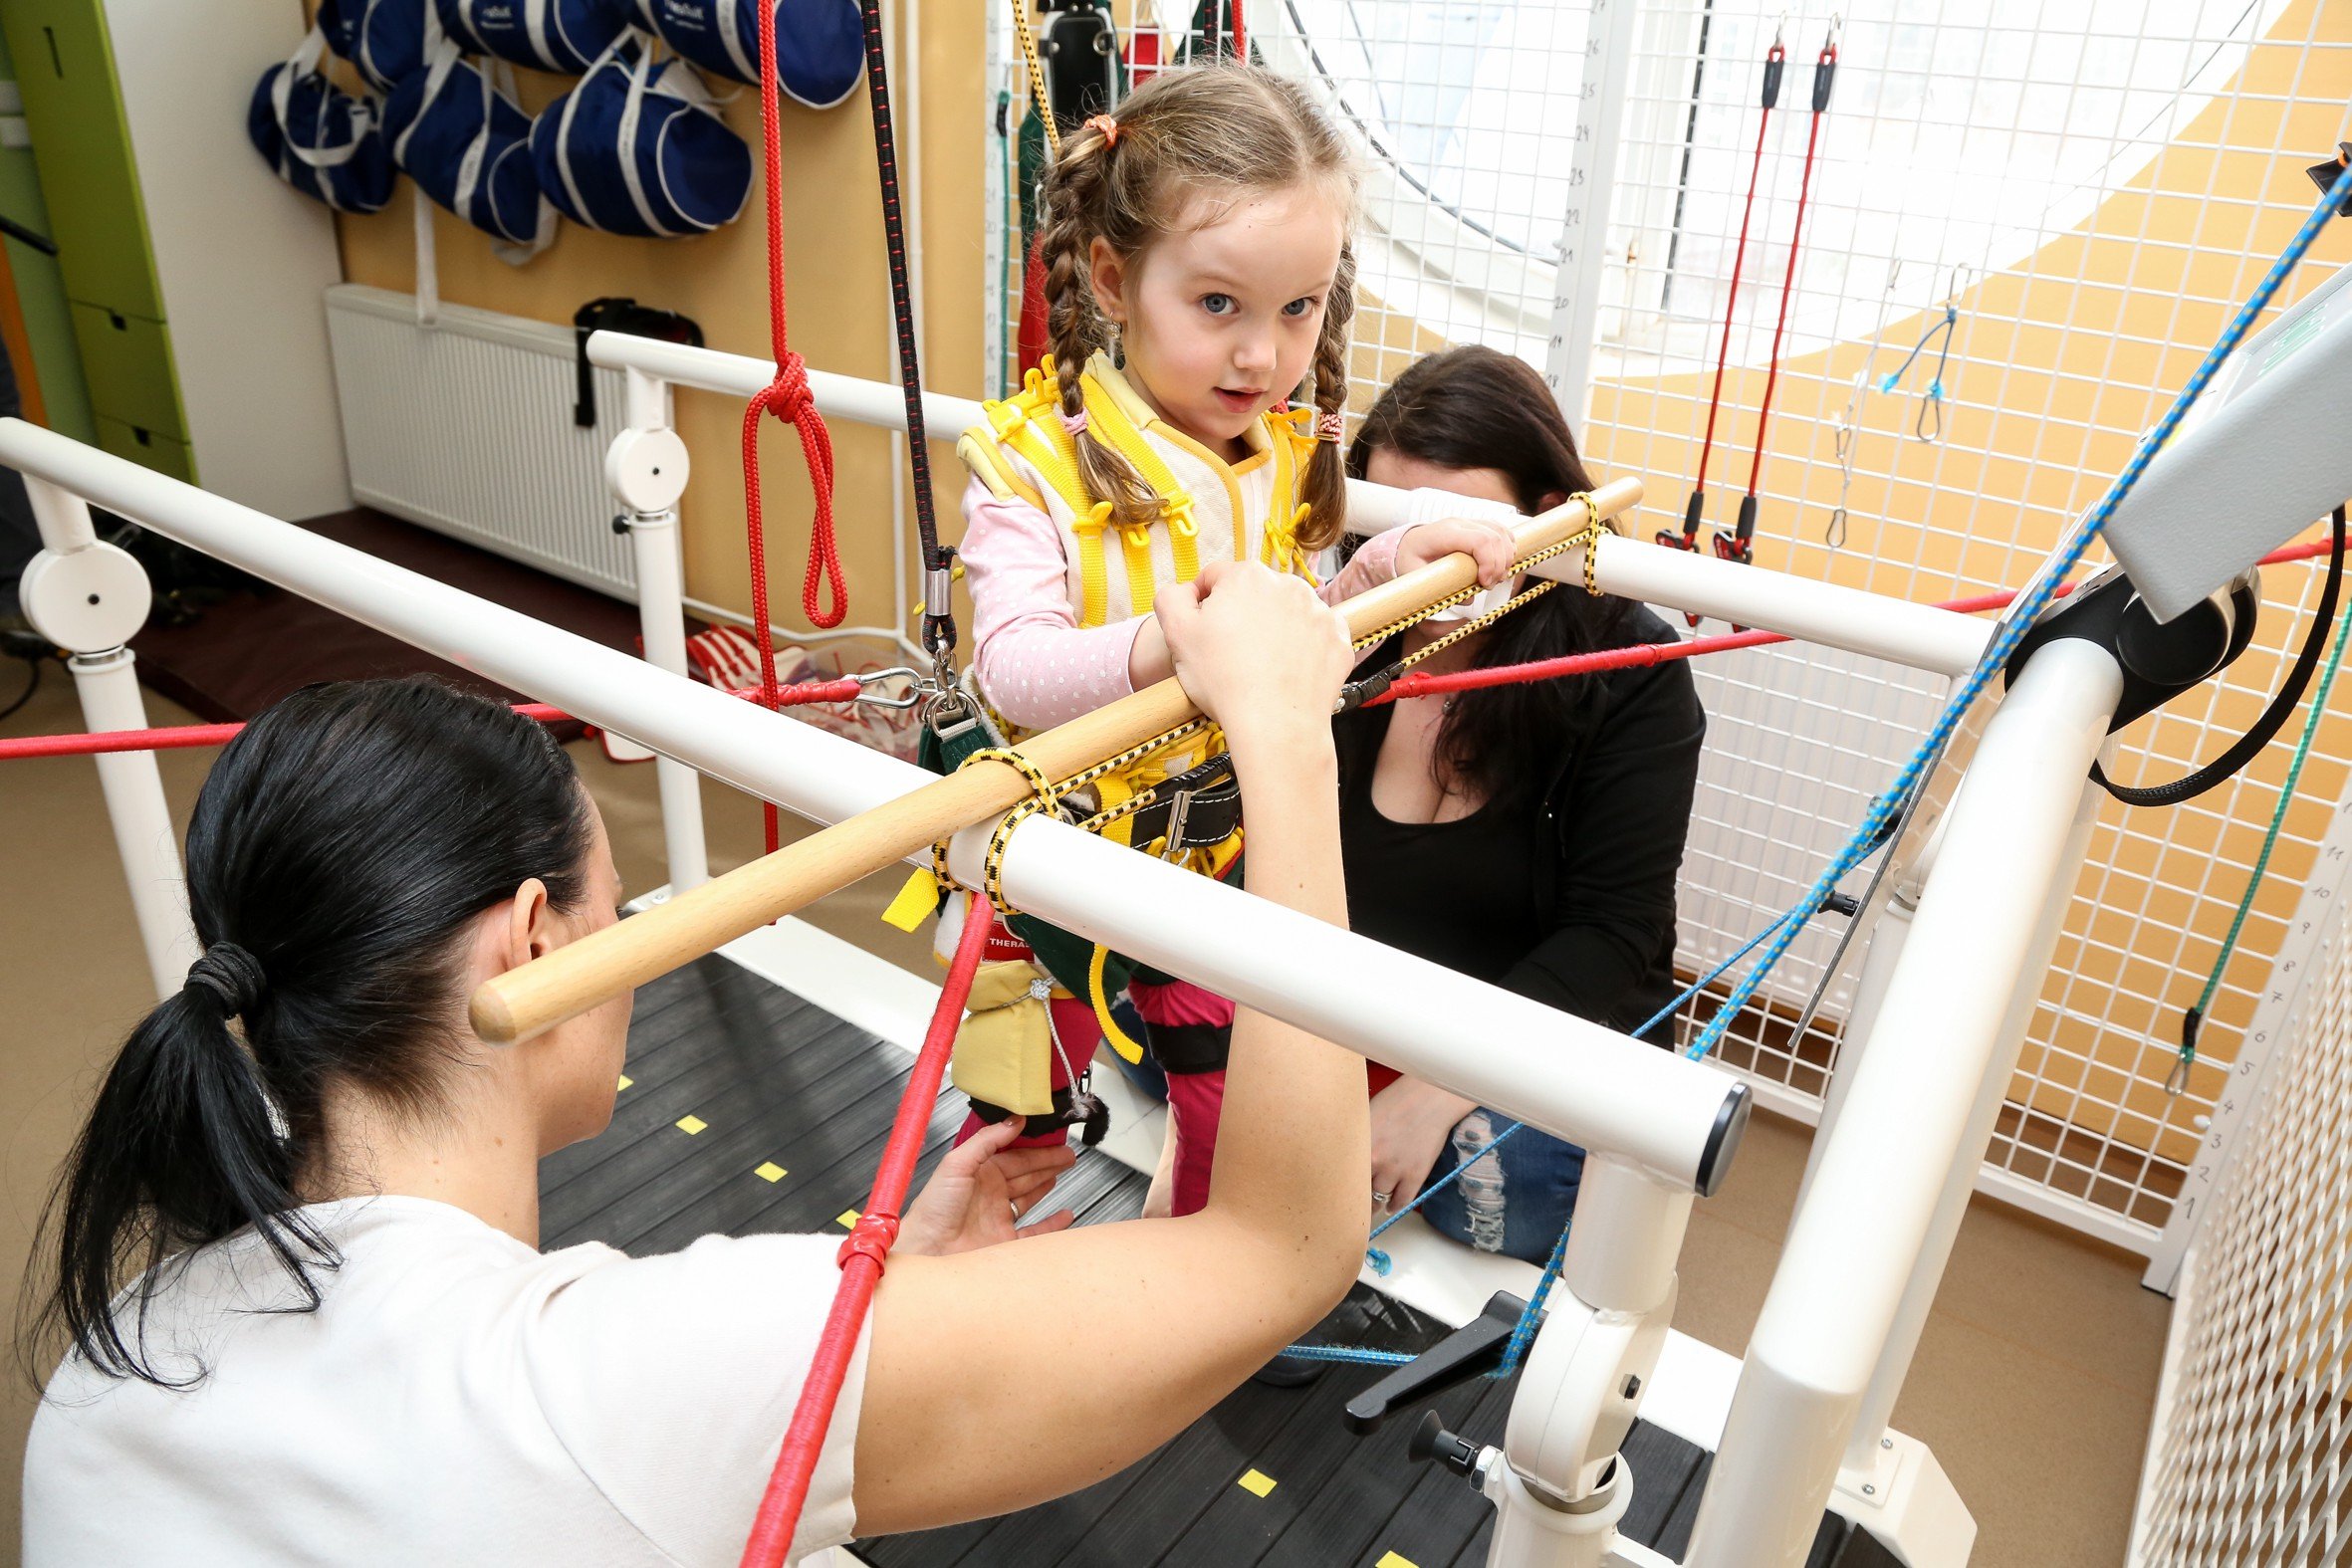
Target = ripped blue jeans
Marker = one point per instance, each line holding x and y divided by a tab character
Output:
1540	1174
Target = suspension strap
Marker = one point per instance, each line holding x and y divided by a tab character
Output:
1741	545
862	1257
1040	101
939	622
1692	513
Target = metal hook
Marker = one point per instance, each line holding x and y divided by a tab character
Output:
916	687
1837	26
2177	1079
1929	426
1834	533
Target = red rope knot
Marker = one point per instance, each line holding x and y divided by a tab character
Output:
790	390
872	1237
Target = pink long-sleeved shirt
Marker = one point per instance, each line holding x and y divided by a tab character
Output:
1036	664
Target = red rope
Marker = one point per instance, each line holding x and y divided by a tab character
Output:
181	737
787	397
1646	653
862	1255
1773	58
1804	186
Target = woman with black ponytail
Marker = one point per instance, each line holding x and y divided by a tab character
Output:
1528	835
293	1262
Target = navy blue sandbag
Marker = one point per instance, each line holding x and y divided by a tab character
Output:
323	143
562	36
468	147
640	148
388	41
819	43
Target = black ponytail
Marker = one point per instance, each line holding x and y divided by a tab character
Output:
341	847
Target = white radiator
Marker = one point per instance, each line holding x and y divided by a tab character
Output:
466	427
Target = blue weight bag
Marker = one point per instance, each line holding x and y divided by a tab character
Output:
468	147
640	148
323	143
819	43
561	36
387	41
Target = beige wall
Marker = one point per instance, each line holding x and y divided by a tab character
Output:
838	293
2153	260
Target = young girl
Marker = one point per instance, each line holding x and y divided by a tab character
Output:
1199	288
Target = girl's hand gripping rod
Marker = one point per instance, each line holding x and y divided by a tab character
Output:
583	973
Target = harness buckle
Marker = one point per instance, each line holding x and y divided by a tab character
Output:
1179	808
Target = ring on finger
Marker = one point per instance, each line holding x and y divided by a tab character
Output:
1380	1198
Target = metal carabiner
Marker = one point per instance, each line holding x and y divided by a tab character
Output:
916	687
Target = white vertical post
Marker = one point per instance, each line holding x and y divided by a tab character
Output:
1585	225
1865	1446
90	598
647	470
1854	1245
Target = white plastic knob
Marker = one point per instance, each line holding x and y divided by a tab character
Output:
647	469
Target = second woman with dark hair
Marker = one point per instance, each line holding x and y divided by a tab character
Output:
1528	835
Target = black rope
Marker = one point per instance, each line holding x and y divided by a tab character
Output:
2249	745
939	622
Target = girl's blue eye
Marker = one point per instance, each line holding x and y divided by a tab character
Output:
1218	304
1299	307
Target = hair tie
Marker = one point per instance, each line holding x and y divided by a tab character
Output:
1076	423
1330	427
232	974
1107	126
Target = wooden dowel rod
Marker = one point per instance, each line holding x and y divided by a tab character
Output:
581	975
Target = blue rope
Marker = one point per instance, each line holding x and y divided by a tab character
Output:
1369	1358
1877	822
2019	620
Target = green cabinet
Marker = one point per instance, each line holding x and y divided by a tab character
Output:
82	146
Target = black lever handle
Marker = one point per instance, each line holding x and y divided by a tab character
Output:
1470	1351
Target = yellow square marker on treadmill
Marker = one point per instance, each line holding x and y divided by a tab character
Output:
846	1219
690	1125
1394	1560
625	1081
1256	1482
769	1171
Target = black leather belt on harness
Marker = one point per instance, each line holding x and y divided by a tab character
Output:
1198	808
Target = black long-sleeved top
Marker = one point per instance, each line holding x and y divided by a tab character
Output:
1567	897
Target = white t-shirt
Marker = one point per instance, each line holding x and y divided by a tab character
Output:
456	1397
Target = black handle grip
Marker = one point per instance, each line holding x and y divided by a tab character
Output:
1824	72
1771	82
1746	526
1473	1348
1692	515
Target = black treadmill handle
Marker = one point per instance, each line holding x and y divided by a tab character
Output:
1473	1350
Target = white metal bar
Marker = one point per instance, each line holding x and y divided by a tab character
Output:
1585	222
108	684
106	678
1864	1444
1581	1081
662	619
1851	1248
1917	635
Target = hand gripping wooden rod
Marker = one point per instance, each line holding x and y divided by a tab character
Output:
581	975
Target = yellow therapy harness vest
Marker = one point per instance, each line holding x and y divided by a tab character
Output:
1210	510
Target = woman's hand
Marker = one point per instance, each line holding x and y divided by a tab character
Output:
1486	542
971	1199
1255	646
1411	1122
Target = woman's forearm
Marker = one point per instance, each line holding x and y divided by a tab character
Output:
1292	1141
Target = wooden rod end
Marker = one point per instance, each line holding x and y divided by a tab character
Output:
493	1019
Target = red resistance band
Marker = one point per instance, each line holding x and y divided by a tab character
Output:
1739	546
1645	653
862	1257
787	397
181	737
